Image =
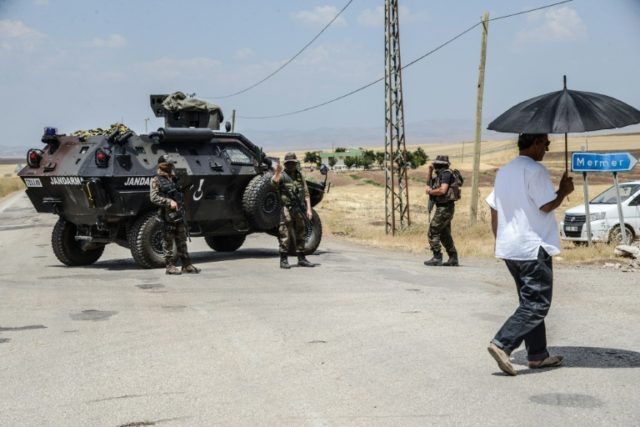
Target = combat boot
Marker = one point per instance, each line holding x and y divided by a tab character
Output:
190	268
187	265
435	261
172	269
452	261
284	261
303	261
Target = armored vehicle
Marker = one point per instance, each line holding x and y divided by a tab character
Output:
98	185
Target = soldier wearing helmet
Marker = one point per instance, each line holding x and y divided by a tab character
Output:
296	204
166	193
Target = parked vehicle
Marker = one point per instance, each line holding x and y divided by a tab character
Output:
99	187
605	221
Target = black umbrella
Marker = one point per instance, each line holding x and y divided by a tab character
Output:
566	111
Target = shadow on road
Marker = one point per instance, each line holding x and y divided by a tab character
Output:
258	253
111	265
239	254
125	264
589	357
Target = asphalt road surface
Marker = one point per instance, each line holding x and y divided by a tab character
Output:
370	337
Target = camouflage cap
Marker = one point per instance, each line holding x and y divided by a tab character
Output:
442	160
290	158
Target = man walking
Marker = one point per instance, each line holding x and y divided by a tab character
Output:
166	194
523	222
440	191
296	203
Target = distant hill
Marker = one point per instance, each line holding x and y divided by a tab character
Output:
417	133
423	132
14	151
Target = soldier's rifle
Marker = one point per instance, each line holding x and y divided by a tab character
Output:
430	201
296	204
177	196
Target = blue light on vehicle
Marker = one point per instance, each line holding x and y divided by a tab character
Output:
50	131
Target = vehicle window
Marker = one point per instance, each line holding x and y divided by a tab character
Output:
237	156
635	202
609	196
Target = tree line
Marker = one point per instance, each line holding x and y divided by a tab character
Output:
369	158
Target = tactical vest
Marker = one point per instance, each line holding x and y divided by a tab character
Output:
453	193
294	184
168	188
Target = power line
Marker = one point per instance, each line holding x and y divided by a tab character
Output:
530	10
420	58
280	68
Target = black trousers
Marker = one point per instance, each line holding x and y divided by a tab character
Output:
534	282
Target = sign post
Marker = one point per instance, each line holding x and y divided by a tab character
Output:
623	228
585	189
603	162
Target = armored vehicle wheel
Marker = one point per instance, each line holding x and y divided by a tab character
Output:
70	251
261	203
313	236
225	243
145	241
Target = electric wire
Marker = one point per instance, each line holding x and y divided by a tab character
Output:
511	15
413	62
289	61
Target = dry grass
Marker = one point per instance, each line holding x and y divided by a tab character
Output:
10	184
7	170
9	181
355	211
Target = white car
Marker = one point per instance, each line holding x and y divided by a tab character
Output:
605	223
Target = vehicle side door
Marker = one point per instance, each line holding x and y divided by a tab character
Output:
633	212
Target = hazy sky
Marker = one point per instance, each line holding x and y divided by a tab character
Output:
87	63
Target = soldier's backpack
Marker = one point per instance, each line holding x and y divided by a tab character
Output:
455	191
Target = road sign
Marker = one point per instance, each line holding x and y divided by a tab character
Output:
602	162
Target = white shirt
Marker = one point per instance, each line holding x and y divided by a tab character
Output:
522	187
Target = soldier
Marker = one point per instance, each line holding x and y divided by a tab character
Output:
296	203
166	194
440	193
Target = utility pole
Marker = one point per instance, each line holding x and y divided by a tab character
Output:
233	121
395	165
473	211
146	127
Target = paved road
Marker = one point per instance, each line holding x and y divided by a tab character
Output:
368	338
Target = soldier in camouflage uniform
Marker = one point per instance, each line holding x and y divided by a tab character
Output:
439	192
164	191
291	183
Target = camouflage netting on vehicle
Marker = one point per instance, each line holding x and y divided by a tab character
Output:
99	131
178	101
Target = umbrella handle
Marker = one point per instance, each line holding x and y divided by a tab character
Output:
566	154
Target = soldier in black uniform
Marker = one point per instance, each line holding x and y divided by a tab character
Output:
296	204
439	191
166	193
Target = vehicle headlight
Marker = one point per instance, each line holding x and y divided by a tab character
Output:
599	216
